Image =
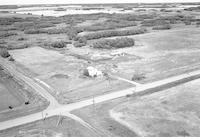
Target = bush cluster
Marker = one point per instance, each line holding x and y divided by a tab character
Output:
4	34
109	24
133	17
198	23
78	44
9	20
138	76
2	41
21	46
21	39
7	28
43	24
57	31
193	8
111	33
86	73
4	53
154	22
81	42
34	31
56	44
187	22
73	32
32	25
23	25
113	43
172	19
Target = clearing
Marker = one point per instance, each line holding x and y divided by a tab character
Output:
162	54
63	73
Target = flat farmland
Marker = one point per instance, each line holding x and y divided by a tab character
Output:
14	95
9	91
98	116
171	112
64	74
162	54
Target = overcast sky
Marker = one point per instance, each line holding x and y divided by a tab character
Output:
12	2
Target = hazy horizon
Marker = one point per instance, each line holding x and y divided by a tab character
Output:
30	2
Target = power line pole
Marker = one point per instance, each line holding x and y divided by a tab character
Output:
59	120
93	102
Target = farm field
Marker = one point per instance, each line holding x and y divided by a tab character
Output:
98	116
171	112
157	55
64	74
14	95
162	54
103	65
9	90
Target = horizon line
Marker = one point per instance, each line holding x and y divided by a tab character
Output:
99	3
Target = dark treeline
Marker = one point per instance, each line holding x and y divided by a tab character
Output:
113	43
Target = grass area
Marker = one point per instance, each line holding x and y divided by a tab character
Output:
49	127
109	24
172	112
98	116
10	92
163	54
14	97
48	64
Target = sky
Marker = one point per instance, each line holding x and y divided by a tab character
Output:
14	2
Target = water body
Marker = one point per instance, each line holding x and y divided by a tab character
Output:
71	11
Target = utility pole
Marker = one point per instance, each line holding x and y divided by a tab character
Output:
59	120
42	115
46	114
93	102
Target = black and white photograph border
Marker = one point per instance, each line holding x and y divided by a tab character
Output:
126	68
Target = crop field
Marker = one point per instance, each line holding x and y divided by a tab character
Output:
172	112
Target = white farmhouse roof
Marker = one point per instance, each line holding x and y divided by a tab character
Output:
93	72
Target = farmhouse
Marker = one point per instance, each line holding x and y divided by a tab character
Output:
93	72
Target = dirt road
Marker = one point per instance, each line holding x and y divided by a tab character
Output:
57	109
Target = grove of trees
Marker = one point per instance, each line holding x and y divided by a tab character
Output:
4	53
113	43
112	33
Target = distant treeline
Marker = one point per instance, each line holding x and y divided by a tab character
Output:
8	6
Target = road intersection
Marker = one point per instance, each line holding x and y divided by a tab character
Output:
55	108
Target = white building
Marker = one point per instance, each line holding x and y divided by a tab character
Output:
93	72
